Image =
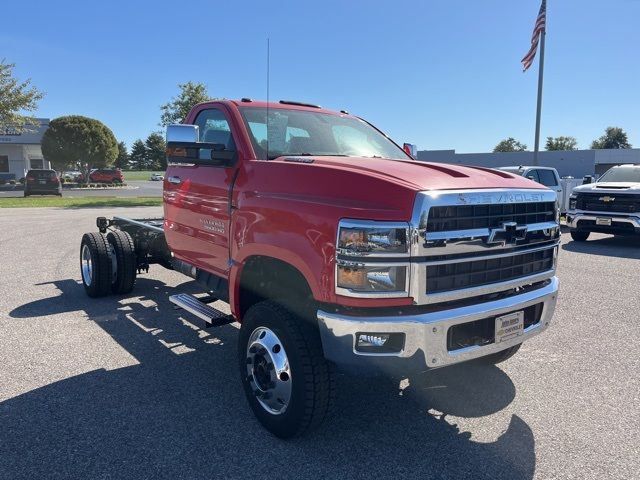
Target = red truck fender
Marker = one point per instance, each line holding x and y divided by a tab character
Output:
271	252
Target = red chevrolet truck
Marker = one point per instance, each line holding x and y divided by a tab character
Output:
336	250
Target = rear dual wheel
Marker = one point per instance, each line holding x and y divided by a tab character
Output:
107	263
123	249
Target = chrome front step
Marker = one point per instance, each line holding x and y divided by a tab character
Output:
191	304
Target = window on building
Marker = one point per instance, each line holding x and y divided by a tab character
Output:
37	163
4	163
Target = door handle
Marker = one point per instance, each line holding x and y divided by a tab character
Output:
174	180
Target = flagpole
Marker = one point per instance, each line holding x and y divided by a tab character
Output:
539	108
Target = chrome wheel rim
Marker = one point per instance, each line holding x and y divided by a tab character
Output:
86	265
268	370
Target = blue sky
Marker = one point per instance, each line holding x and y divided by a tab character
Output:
439	73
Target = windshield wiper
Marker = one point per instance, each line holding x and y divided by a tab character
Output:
307	154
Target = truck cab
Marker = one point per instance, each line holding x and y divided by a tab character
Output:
547	176
336	250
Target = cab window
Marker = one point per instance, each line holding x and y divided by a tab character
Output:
548	178
214	128
533	175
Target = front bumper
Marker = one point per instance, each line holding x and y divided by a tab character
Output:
425	343
586	221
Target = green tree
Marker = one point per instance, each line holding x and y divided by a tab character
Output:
561	143
16	96
156	151
510	145
122	160
138	155
614	137
177	109
76	139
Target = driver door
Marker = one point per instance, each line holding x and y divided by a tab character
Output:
196	203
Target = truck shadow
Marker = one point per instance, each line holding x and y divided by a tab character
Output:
181	412
610	246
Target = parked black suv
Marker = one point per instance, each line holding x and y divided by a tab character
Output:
42	182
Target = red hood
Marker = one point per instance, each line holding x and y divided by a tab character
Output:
424	175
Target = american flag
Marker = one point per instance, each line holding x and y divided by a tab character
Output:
538	29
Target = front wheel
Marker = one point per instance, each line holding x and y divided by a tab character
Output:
579	236
288	383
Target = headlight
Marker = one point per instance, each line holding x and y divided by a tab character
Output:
573	202
354	278
372	259
359	238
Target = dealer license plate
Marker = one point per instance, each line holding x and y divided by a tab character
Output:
603	221
509	326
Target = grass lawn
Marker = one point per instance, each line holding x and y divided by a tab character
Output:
138	175
81	202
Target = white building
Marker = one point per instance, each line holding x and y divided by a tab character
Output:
20	152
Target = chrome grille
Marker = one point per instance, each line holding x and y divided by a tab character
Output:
476	273
470	243
467	217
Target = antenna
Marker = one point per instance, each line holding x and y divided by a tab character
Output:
267	120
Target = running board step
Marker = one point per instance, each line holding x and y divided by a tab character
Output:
191	304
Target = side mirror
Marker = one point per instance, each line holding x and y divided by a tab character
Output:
587	179
411	150
183	147
530	177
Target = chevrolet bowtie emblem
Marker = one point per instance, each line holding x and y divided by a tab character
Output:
508	234
607	198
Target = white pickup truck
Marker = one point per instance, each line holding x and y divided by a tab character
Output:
611	205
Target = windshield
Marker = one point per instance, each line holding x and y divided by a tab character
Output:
622	174
301	132
514	170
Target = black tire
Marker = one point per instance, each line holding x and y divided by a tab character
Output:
26	194
96	281
126	259
501	356
579	236
312	376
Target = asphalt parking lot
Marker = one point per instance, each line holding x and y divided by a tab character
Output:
128	387
138	188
